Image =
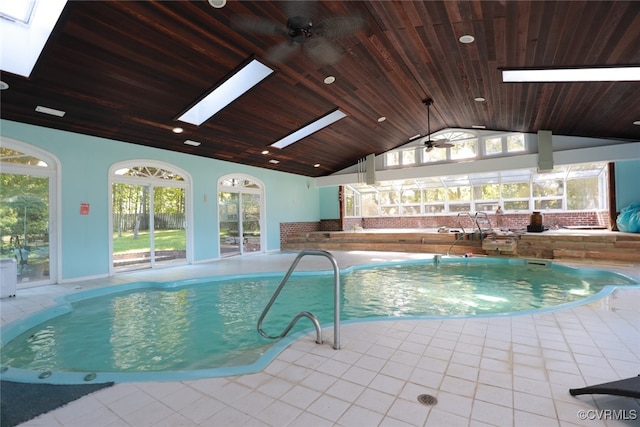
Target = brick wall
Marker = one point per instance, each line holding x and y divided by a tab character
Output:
512	221
287	228
330	225
561	219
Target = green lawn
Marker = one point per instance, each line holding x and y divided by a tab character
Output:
164	240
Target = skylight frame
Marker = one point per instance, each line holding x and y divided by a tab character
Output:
25	7
28	38
311	128
237	84
584	74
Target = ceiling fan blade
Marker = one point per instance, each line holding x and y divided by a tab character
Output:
340	26
303	8
323	51
257	25
441	143
282	52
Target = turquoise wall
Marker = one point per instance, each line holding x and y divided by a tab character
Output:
329	203
85	163
627	179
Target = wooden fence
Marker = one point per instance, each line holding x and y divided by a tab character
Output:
164	221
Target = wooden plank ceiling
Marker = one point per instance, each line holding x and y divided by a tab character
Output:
126	70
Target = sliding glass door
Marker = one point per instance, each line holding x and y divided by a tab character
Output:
239	215
230	225
27	212
149	219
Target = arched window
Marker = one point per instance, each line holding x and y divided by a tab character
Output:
150	215
240	211
29	205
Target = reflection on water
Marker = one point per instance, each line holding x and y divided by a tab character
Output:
149	330
209	325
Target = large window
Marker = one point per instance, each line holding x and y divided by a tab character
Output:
351	203
566	188
462	146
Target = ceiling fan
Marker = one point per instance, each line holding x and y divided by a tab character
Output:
428	143
316	40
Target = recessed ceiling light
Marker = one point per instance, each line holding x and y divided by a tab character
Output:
3	85
329	79
232	88
309	129
381	119
274	161
599	74
317	165
192	143
265	151
177	130
218	3
479	126
466	39
637	123
50	111
479	99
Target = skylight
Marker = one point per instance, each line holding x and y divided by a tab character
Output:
239	83
28	24
313	127
599	74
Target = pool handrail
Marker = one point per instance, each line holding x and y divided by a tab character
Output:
311	316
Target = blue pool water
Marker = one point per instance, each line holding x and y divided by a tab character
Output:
207	327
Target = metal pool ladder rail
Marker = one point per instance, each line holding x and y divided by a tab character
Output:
311	316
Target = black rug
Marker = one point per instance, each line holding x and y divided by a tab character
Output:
24	401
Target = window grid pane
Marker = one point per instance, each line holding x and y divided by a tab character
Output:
569	188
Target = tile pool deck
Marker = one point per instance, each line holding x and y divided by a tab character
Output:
490	371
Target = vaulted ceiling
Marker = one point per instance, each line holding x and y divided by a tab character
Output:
126	70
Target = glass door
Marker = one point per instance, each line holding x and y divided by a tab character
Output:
24	225
240	215
230	225
250	222
169	233
132	242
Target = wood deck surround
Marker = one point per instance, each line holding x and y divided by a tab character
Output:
583	245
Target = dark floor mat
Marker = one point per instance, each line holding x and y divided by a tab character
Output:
24	401
629	387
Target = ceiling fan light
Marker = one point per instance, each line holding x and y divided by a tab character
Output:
218	4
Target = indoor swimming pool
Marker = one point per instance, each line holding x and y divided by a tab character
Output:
150	331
